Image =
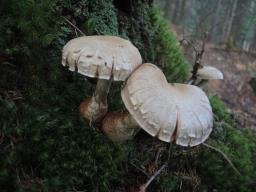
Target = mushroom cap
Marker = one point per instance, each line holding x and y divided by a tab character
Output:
208	72
170	112
101	57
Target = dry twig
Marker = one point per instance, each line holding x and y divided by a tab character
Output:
144	187
158	172
69	22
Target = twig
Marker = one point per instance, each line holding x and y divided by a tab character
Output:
224	155
144	187
189	43
197	65
157	173
69	22
140	169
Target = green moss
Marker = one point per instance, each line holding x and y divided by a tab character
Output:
240	148
238	144
102	19
167	51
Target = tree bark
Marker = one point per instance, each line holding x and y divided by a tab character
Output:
230	21
176	12
168	10
215	35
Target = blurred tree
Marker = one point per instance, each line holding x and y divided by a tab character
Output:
168	9
230	21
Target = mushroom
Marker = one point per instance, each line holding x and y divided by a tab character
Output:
170	112
104	57
208	72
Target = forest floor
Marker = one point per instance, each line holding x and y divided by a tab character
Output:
235	90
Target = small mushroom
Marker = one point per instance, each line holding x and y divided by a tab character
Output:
208	72
106	58
170	112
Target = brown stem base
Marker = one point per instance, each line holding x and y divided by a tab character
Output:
92	110
95	108
119	126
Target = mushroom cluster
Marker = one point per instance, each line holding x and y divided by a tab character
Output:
179	113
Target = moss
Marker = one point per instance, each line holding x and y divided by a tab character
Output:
240	148
167	51
102	19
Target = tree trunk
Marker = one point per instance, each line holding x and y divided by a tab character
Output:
215	34
175	15
183	12
231	19
168	10
226	21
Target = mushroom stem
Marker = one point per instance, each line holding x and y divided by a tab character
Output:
119	126
101	91
95	108
201	83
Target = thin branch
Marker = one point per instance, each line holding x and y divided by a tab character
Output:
224	155
140	169
197	65
189	43
158	172
69	22
144	187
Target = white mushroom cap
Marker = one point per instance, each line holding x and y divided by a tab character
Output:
208	72
178	112
101	57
